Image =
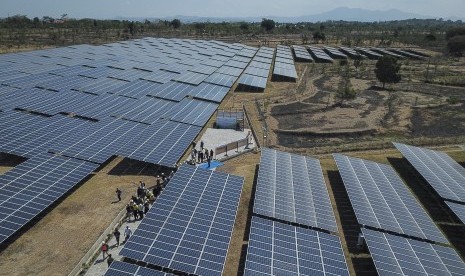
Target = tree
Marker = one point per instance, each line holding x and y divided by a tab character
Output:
358	61
268	24
244	26
455	32
456	45
430	37
345	91
387	70
319	36
176	23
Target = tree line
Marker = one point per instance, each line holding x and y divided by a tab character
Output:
429	33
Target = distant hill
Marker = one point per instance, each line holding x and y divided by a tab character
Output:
342	13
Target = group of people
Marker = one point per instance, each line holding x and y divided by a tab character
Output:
138	207
201	155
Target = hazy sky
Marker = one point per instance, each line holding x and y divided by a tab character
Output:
219	8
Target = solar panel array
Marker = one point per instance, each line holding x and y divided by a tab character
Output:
369	53
301	54
444	174
350	52
319	55
117	93
31	187
394	255
381	200
125	269
291	187
256	74
284	67
334	53
190	225
280	249
386	52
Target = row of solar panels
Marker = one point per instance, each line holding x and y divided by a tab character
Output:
291	189
328	54
189	228
293	220
400	235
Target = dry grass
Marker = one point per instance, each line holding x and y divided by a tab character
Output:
58	241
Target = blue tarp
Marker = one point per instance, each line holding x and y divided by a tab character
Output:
213	164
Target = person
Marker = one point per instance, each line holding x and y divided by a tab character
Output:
209	161
201	145
135	211
206	154
146	207
211	154
128	211
117	234
104	248
194	144
110	259
127	234
118	194
140	210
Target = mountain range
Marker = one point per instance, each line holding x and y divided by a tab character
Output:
341	13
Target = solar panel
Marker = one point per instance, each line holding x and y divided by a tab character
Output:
253	81
173	90
221	79
190	225
291	187
442	172
28	135
192	111
227	70
190	78
128	75
257	72
394	255
160	76
281	249
33	186
458	209
125	269
101	86
163	143
210	92
284	70
145	110
136	89
380	199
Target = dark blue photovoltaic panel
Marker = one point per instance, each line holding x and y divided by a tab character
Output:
125	269
192	111
190	225
98	142
394	255
253	81
191	78
160	76
173	90
101	86
444	174
221	79
281	249
28	135
145	110
210	92
136	89
33	186
291	187
380	199
163	142
232	71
